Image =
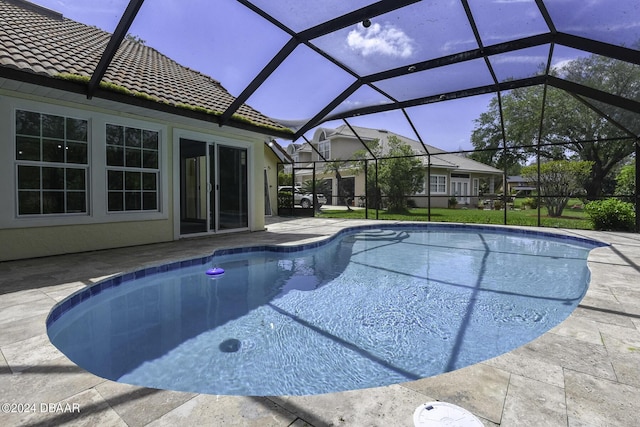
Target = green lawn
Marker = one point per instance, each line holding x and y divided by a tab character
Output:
571	218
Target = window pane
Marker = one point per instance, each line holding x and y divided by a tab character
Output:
76	179
77	129
115	156
132	181
53	178
132	200
76	153
139	149
133	137
53	151
27	148
148	181
52	202
76	202
52	126
438	184
150	139
116	202
28	177
55	190
116	180
115	135
149	159
27	123
149	201
133	158
28	202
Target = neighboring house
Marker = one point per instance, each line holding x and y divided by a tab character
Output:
451	175
141	160
300	154
517	185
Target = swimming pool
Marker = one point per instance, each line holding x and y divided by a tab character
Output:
371	306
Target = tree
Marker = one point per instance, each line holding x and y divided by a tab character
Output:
559	180
626	181
374	194
334	167
400	175
571	130
487	137
308	187
284	178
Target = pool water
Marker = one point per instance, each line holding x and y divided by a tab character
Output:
369	308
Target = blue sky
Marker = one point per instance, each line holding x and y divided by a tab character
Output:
230	43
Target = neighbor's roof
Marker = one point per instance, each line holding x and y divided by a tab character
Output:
517	179
438	157
39	41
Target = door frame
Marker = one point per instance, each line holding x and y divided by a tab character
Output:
214	141
463	199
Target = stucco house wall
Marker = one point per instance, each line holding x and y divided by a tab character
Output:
61	189
25	236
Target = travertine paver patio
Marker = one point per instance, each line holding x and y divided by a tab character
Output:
585	372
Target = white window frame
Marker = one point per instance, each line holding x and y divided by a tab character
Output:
217	140
96	184
324	148
475	187
41	164
442	186
125	169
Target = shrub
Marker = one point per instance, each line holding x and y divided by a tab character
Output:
452	202
285	199
626	181
497	205
612	215
530	202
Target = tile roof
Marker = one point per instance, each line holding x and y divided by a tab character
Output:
36	40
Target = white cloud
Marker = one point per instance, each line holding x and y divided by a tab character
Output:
381	39
519	59
560	66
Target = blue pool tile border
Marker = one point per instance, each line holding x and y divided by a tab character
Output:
84	294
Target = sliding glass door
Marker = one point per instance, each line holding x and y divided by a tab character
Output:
213	187
232	194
